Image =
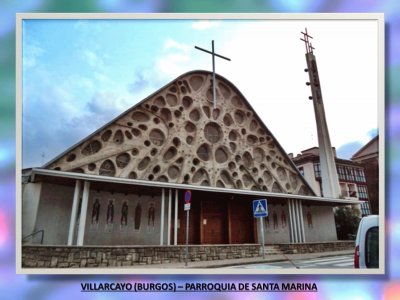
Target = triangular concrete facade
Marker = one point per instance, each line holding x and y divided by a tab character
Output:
175	136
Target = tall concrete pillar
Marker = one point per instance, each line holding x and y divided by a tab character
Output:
82	218
75	204
329	177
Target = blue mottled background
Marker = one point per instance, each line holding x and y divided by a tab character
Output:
14	286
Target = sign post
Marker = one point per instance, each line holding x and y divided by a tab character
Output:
188	197
260	210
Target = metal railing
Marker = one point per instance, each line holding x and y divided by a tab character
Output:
34	234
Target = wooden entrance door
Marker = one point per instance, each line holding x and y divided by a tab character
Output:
241	219
214	227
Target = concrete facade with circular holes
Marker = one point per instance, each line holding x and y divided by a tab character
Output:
176	136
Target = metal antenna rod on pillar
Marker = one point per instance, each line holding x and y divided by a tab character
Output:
213	54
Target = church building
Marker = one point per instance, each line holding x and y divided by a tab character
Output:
125	183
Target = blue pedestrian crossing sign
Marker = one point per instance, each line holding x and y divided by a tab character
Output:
260	208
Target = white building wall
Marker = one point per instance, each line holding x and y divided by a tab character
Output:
30	205
323	228
309	176
277	233
54	213
117	233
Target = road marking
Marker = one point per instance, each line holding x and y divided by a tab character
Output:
324	259
351	263
333	262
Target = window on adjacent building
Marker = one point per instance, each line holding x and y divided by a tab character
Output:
349	173
360	176
301	170
317	169
362	192
341	173
365	208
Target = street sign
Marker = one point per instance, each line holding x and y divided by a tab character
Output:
187	206
188	196
260	208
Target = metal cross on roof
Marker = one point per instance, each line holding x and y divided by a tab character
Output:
213	54
306	40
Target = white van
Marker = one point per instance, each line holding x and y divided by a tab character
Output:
366	254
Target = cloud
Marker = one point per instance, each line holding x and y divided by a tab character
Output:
31	54
174	59
105	104
205	24
172	44
172	65
93	59
139	83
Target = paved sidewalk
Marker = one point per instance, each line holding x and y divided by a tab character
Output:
235	262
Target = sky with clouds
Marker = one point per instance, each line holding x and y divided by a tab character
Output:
79	74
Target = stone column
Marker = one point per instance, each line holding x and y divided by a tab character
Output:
176	219
74	212
292	208
291	225
82	218
162	216
169	217
302	222
298	226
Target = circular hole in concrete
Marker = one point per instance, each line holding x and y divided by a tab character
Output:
153	152
170	153
203	152
177	113
156	169
157	137
143	127
139	116
213	132
172	100
176	141
189	140
71	157
187	101
122	160
136	132
194	115
106	135
128	134
190	127
91	148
